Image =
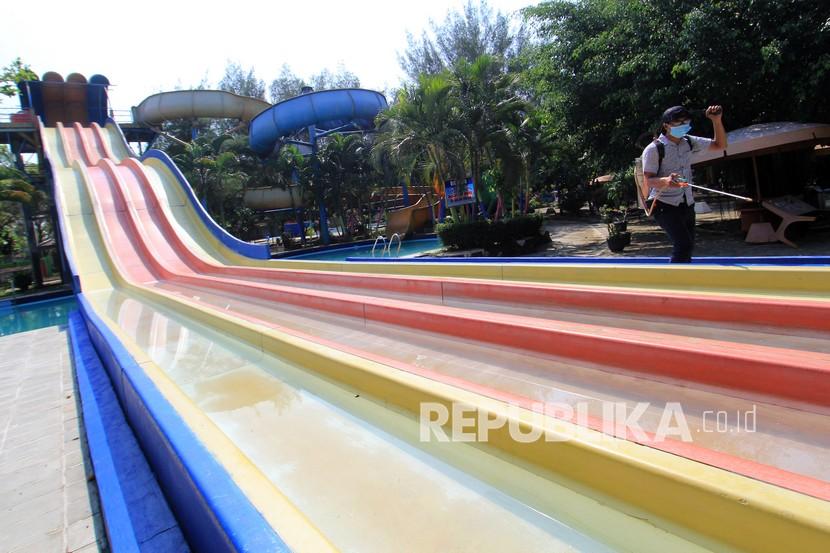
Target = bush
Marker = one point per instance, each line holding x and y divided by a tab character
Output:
466	236
22	280
571	200
490	236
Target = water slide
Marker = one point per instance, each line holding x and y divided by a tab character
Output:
192	104
245	379
325	110
215	104
411	218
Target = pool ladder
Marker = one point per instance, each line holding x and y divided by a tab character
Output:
387	246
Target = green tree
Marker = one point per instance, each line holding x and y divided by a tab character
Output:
242	81
347	175
341	78
420	130
12	74
214	172
469	34
288	84
17	197
604	70
489	111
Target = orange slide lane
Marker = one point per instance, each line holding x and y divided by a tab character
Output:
786	374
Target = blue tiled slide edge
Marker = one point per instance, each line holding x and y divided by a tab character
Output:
255	251
212	511
135	513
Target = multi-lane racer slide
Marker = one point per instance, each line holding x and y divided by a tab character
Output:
290	394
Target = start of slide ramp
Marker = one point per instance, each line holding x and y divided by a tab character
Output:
306	388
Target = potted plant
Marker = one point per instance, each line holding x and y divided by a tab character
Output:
618	235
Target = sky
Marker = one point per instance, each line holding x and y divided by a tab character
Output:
153	46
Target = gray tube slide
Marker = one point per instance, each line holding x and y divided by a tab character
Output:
190	104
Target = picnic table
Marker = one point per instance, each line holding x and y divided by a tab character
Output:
790	210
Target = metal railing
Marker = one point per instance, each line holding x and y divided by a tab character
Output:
389	247
119	115
375	245
7	111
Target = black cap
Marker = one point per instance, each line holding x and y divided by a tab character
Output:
676	113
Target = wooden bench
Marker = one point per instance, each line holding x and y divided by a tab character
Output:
790	210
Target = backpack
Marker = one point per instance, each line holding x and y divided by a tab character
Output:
638	169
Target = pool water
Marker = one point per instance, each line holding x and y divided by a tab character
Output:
31	316
408	248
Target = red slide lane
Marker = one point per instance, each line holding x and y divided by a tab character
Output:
801	376
128	244
805	314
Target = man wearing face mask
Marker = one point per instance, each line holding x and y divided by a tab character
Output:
667	168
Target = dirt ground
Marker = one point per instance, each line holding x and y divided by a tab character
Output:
585	236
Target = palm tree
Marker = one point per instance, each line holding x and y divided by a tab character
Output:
214	170
489	109
420	130
346	174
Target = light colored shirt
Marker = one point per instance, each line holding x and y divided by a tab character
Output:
678	159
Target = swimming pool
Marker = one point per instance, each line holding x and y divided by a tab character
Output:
408	248
31	316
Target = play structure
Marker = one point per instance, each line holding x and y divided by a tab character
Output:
282	404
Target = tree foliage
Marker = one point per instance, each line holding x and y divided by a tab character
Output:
288	84
604	70
469	34
242	81
12	74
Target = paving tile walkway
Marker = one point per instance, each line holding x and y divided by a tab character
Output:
48	497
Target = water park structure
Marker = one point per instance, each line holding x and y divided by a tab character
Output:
420	406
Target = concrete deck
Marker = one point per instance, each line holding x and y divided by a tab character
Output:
48	497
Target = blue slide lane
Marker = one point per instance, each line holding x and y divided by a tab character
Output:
791	260
211	510
255	251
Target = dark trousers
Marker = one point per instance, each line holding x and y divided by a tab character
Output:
679	223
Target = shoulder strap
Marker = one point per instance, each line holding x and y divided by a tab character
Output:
661	150
661	153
